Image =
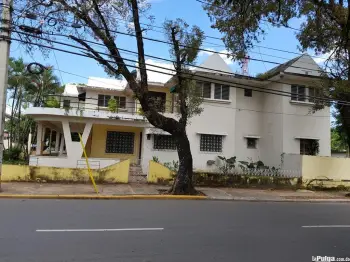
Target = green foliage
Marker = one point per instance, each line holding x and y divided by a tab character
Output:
189	41
226	165
240	21
173	166
113	105
140	111
27	90
155	159
338	141
52	102
12	154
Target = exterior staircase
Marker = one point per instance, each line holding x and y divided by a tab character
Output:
136	175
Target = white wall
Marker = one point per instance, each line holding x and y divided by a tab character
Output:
271	140
248	122
66	162
299	121
218	117
304	65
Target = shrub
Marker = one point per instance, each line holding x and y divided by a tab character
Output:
12	154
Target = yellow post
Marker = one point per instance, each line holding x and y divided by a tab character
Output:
87	163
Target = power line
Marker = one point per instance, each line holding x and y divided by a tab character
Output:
200	77
206	36
213	70
54	54
200	49
207	50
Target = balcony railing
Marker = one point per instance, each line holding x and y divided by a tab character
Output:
130	106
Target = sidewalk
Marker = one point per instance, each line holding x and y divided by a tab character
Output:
140	191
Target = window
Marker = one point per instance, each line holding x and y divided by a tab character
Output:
251	142
308	147
314	93
222	92
103	100
298	93
120	142
164	142
157	100
248	92
121	100
66	103
204	89
211	143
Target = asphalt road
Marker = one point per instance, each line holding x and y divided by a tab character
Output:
192	231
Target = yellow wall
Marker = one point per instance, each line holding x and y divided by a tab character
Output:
15	173
315	167
98	143
157	172
117	173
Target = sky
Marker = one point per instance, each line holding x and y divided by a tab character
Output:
77	69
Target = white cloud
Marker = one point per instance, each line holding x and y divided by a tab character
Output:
320	59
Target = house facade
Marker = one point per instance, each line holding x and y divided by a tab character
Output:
250	118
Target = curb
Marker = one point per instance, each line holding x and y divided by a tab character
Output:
103	197
315	200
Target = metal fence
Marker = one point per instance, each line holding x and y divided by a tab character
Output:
266	172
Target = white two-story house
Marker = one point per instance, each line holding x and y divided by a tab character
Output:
250	118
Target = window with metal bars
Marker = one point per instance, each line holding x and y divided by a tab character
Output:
251	142
308	147
221	92
204	89
120	142
164	142
298	93
210	143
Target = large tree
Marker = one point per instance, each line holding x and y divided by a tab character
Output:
98	20
325	29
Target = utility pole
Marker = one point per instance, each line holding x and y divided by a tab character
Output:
4	58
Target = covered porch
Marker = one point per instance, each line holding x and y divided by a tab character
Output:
106	142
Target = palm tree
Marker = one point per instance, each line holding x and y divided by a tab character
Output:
37	92
18	80
27	90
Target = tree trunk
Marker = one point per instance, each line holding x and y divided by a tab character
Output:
183	184
11	119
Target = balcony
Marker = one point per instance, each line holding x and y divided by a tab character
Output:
128	109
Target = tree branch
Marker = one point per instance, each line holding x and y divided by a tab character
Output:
178	68
140	47
97	56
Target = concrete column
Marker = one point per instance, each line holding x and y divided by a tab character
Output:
30	143
39	136
50	141
57	141
61	145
